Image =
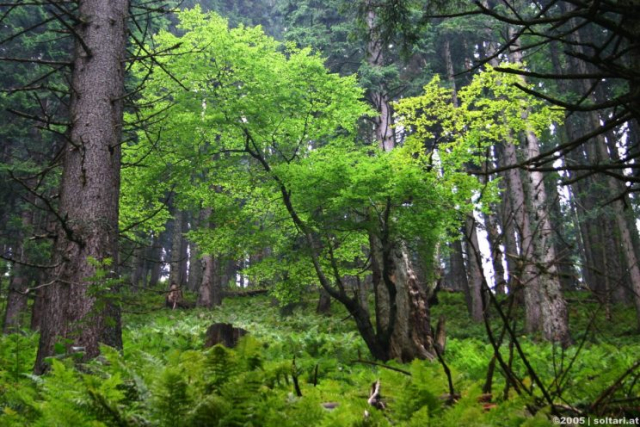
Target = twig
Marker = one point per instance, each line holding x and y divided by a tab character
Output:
368	362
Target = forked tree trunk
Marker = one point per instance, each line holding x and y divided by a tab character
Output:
411	337
402	312
74	313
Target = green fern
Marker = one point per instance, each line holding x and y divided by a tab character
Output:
171	400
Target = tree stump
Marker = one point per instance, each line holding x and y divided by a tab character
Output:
223	333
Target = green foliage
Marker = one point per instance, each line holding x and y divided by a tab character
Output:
165	377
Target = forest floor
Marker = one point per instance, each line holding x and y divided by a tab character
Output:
309	370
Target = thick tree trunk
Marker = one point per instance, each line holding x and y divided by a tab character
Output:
89	193
411	337
402	312
526	275
210	289
555	326
37	310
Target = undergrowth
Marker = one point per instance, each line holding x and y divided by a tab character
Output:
164	376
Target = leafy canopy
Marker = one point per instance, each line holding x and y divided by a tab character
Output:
239	121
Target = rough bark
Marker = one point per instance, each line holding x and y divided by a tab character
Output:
555	326
89	188
526	275
402	311
37	310
411	337
553	309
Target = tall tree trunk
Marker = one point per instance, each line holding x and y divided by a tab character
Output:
491	221
383	127
402	311
555	326
208	270
155	260
195	263
175	272
89	189
204	290
216	283
137	263
510	242
210	289
474	269
456	278
475	275
183	263
17	298
527	275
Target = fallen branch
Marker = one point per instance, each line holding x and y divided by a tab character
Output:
612	388
375	399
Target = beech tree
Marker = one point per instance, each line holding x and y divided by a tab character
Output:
266	124
492	111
